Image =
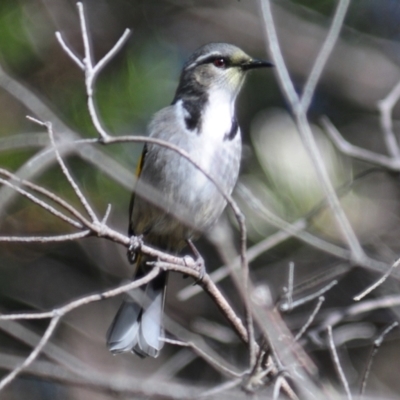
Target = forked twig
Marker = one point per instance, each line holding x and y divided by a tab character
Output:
91	70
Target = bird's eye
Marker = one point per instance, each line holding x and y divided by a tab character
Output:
220	62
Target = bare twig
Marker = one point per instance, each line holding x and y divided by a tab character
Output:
336	363
45	239
324	54
66	173
306	299
310	319
289	294
70	53
377	344
34	354
114	50
378	282
87	65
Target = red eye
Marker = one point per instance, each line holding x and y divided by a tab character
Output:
219	62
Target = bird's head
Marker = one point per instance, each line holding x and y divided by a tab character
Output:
217	66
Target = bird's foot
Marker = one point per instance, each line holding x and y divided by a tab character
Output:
197	263
135	245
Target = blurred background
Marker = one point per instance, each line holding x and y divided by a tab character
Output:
276	175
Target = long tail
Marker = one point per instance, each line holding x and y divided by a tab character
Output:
137	326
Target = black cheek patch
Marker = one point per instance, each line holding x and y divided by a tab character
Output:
192	120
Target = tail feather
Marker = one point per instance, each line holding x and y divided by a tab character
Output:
138	327
122	335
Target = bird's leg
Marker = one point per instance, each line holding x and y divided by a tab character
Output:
135	245
199	264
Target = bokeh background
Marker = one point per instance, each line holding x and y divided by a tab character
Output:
140	80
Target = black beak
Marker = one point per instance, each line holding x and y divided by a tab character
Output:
254	63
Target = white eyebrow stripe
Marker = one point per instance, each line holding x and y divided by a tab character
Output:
202	58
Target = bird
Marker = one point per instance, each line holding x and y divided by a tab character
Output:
201	121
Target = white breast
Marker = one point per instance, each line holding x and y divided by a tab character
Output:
217	116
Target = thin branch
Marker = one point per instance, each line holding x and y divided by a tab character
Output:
310	319
377	344
306	299
336	363
289	294
111	53
324	54
68	50
45	239
378	282
66	173
88	63
107	214
34	354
